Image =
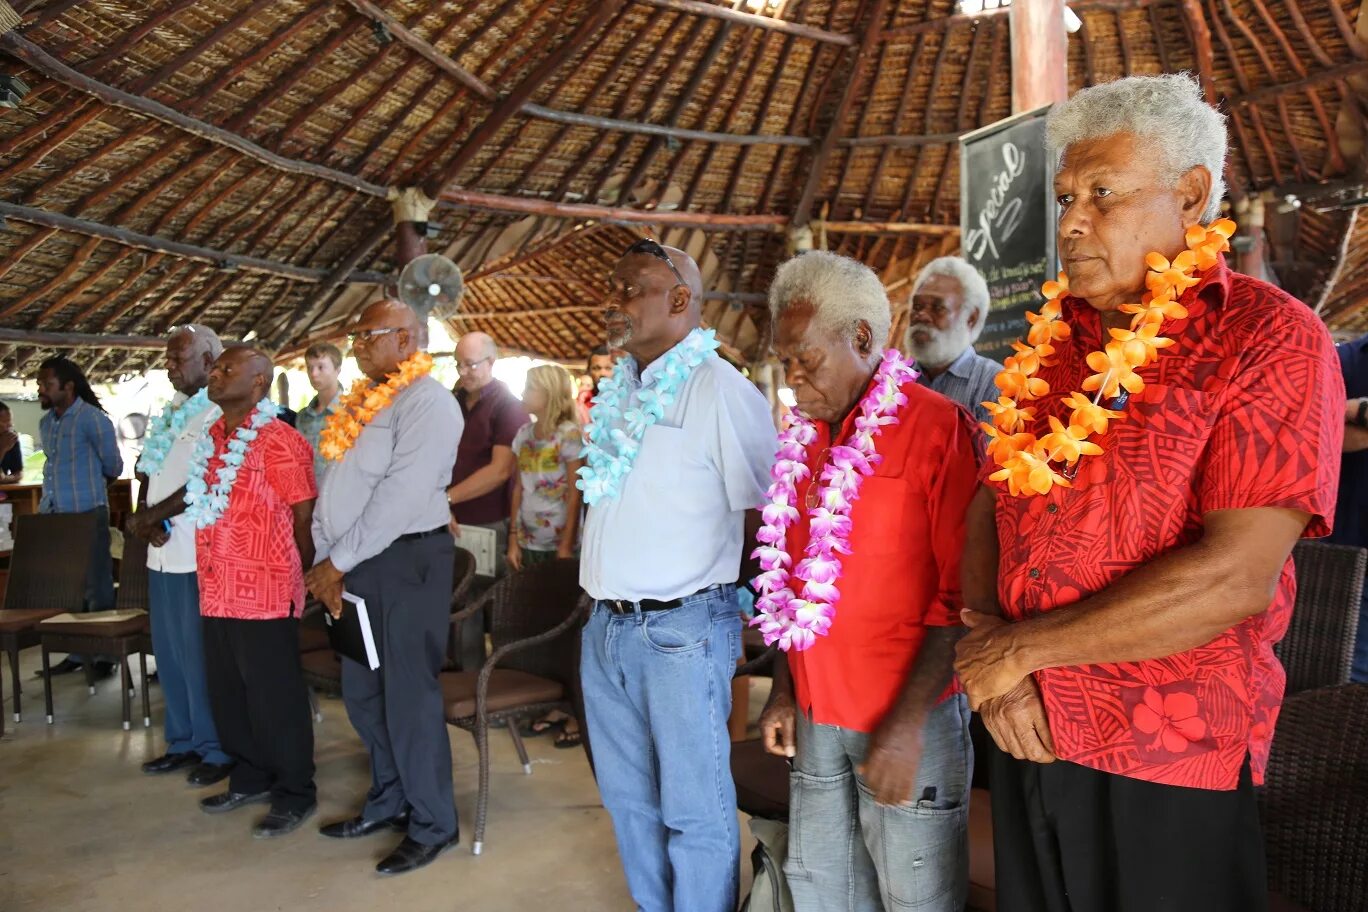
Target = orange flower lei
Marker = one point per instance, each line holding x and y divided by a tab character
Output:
363	402
1028	464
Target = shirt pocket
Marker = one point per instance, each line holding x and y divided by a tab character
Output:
880	518
1160	441
373	451
663	458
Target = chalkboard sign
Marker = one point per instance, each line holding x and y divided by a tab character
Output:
1007	221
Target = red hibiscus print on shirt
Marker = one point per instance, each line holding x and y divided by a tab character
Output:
1171	718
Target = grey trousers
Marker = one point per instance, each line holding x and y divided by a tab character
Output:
398	709
847	853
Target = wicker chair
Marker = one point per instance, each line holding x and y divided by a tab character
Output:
1315	806
47	577
321	666
122	638
1318	650
534	615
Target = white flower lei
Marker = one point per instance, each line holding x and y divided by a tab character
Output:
163	430
610	450
206	504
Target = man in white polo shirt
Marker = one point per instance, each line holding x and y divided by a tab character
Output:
677	461
173	588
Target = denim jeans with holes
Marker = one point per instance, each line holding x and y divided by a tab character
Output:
657	693
848	853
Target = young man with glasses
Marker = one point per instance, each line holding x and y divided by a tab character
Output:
662	552
481	492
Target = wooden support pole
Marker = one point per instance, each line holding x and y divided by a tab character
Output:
701	8
1040	54
218	258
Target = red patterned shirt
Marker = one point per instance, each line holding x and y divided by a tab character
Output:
248	563
1244	410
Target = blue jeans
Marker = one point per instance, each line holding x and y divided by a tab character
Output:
178	643
657	693
848	853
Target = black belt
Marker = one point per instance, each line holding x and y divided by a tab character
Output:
415	536
625	606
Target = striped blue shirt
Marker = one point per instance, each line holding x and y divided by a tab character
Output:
82	454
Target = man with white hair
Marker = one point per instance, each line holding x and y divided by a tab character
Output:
172	584
946	313
1127	572
866	528
676	455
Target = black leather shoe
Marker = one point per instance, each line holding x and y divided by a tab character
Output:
64	667
231	801
360	826
169	762
410	855
104	670
278	823
208	774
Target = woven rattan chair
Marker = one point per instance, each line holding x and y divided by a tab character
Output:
1315	806
534	615
47	577
1318	650
321	666
123	638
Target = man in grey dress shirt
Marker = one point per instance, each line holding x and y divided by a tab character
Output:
948	307
381	530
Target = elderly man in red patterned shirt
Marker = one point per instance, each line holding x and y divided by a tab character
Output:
1127	571
251	495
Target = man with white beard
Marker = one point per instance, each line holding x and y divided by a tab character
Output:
948	307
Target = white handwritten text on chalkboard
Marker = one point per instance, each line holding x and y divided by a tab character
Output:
998	212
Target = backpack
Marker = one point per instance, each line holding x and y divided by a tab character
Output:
769	890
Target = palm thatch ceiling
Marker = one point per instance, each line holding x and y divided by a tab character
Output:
227	161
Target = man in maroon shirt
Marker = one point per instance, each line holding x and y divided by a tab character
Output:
480	493
1122	626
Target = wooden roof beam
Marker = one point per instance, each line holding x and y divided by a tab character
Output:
700	8
218	258
420	47
81	340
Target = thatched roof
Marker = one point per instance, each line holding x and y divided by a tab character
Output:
226	161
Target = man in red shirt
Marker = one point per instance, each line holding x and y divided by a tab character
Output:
869	712
251	551
1121	650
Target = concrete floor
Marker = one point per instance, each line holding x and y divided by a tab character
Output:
82	829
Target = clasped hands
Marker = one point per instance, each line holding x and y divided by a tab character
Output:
325	582
150	532
1001	689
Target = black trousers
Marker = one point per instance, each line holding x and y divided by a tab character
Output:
398	709
1067	838
261	708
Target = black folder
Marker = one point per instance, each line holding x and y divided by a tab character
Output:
350	635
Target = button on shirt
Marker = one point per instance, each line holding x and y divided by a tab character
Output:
675	526
969	381
902	575
248	562
310	422
492	421
82	455
178	554
393	480
1244	410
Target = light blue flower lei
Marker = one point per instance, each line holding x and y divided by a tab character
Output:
205	504
615	431
163	431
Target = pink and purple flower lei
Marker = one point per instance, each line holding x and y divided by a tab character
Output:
791	619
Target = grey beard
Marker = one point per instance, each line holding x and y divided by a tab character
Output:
623	336
943	347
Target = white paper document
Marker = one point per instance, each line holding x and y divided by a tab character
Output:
484	544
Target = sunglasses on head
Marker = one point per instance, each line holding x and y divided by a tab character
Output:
651	248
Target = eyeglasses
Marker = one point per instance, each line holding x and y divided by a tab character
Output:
650	247
466	367
367	336
814	491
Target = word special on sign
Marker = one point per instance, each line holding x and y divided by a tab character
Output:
998	214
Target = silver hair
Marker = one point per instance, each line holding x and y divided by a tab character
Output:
1165	111
841	291
202	339
975	287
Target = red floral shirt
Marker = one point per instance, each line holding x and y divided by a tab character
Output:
248	562
1244	410
903	573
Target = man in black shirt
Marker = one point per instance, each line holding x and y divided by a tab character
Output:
11	453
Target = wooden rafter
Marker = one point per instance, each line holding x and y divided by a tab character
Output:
702	8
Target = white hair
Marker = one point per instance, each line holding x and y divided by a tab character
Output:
842	292
974	286
1166	112
202	339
